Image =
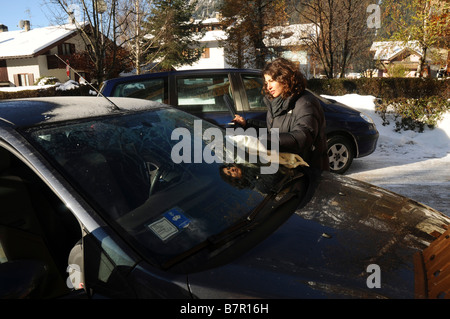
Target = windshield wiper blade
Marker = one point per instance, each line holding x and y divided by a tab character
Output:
219	239
241	226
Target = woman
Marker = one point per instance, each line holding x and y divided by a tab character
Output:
294	111
248	176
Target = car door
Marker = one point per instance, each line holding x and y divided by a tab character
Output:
37	232
210	96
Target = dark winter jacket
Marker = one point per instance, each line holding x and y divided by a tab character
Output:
301	125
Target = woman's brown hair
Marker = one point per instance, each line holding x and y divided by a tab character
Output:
288	74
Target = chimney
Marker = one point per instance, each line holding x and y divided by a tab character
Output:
71	19
24	24
3	28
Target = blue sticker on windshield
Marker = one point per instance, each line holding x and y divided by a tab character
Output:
176	217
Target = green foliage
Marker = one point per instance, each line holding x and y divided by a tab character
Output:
413	114
172	34
397	70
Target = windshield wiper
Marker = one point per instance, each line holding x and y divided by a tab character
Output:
240	227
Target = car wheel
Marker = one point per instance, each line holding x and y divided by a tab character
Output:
340	154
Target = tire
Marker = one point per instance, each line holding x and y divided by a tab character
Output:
340	154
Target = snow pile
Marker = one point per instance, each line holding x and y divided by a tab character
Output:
47	81
69	85
409	163
409	145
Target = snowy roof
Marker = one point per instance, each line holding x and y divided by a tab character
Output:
290	35
22	44
207	21
215	35
387	50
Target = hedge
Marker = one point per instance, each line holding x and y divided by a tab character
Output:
82	90
383	87
413	114
412	103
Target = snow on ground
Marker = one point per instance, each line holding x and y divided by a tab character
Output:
69	85
413	164
25	88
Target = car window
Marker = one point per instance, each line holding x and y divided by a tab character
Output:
150	89
253	87
204	93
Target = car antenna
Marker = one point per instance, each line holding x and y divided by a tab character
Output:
98	92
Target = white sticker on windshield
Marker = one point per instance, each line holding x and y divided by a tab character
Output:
163	228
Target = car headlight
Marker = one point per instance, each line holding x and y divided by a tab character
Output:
366	118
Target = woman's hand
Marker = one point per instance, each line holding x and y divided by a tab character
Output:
239	120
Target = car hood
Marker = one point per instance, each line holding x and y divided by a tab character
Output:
351	240
337	107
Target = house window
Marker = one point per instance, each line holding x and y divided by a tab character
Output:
53	62
24	79
66	49
205	53
3	71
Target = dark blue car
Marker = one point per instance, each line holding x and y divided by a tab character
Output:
94	205
217	94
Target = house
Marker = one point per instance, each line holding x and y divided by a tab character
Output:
289	41
396	55
213	56
29	54
286	40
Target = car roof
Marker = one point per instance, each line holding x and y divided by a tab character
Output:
182	72
40	110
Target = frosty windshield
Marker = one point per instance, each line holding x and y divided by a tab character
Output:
123	165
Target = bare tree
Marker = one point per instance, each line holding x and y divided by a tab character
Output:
341	32
97	25
131	16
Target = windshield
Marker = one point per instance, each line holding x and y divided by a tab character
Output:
124	167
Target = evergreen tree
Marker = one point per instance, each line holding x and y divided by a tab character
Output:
173	34
246	24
